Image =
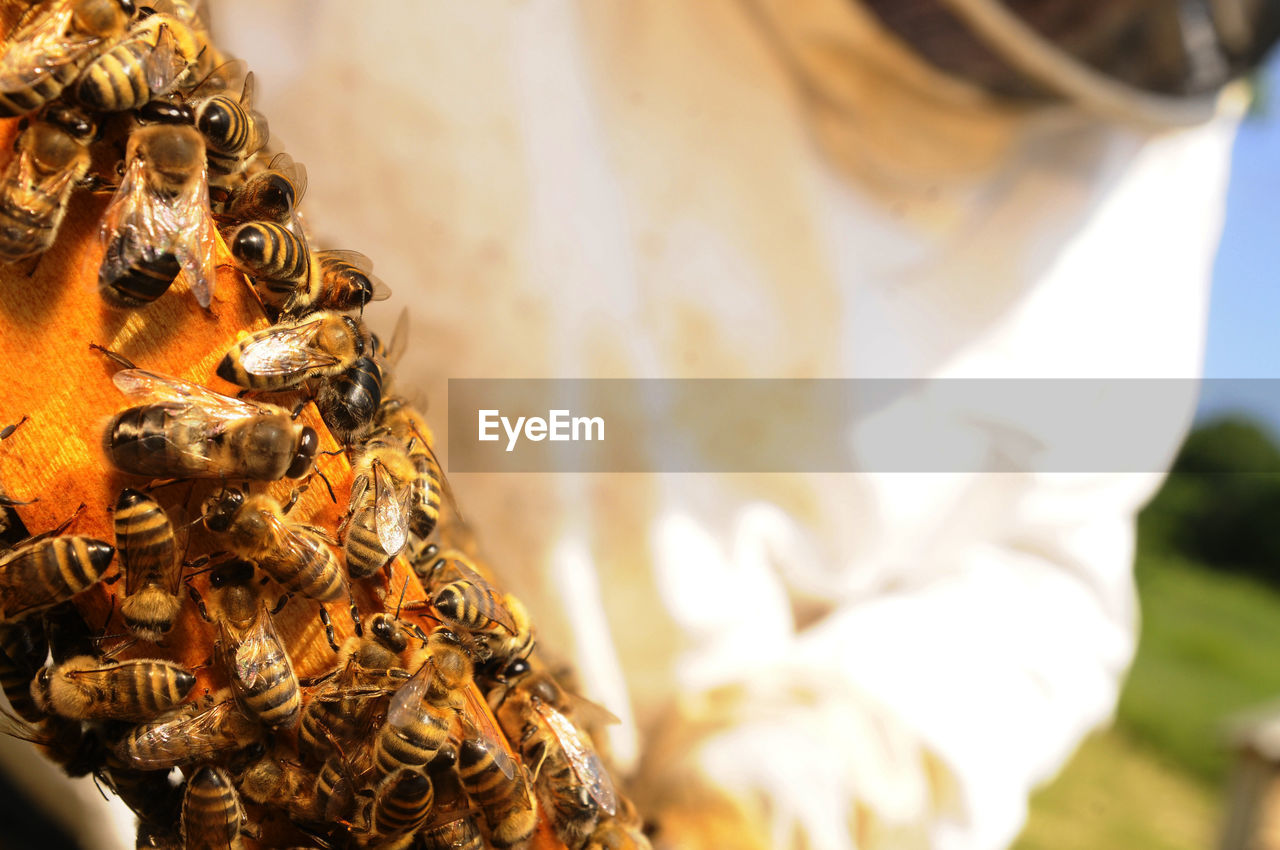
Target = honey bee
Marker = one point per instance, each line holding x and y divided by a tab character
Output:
427	488
468	603
148	62
212	814
500	789
348	402
341	710
418	718
233	130
187	431
270	195
296	556
49	49
339	280
292	351
23	649
249	648
573	786
402	802
280	783
148	550
188	735
48	570
87	688
377	526
52	159
208	59
158	223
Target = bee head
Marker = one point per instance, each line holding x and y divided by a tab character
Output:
75	123
221	508
234	572
387	633
308	442
165	112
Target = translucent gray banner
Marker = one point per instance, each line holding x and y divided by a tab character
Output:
827	425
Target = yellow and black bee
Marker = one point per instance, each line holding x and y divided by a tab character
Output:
212	815
186	431
52	45
158	222
148	548
250	649
289	353
188	735
46	571
87	688
147	63
52	159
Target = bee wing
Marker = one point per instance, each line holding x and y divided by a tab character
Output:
355	258
42	48
391	518
258	655
582	758
284	350
247	91
193	237
476	723
399	339
406	703
134	219
185	737
152	386
165	64
295	171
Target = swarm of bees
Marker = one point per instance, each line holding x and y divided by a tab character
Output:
437	724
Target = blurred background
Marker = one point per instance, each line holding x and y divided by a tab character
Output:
1180	765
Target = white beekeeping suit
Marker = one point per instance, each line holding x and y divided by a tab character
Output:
721	189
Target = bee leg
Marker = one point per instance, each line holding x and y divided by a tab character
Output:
62	526
8	430
355	614
281	602
328	628
35	264
297	410
293	499
119	359
10	502
199	600
97	185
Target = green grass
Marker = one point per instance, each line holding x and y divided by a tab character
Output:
1118	795
1210	648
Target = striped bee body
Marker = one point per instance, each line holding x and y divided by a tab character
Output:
85	688
500	789
211	812
42	573
260	670
147	545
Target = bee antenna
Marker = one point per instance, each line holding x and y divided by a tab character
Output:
327	485
403	587
119	359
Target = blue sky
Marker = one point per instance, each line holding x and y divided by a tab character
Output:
1244	316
